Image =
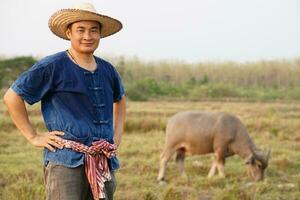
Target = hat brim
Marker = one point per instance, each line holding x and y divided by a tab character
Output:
60	20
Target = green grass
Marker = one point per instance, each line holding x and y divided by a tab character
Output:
274	125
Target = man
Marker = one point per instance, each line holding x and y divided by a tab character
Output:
83	105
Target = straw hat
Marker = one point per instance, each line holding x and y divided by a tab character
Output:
59	21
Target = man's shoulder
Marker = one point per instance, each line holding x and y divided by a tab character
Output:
51	60
106	64
103	62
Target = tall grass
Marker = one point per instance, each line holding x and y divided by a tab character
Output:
261	80
275	74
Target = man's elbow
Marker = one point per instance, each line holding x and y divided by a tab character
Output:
9	96
122	102
123	98
6	97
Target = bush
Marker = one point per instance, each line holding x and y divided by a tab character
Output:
149	88
10	69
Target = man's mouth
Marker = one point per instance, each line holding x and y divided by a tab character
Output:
87	44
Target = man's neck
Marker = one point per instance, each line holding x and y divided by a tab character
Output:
84	60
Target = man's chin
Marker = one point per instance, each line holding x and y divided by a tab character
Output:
88	50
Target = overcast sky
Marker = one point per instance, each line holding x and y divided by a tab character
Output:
191	30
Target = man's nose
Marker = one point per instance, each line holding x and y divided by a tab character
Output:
87	35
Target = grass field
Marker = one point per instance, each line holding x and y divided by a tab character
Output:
274	125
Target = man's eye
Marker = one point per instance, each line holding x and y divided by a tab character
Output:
259	166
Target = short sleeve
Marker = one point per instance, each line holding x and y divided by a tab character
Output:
118	87
33	84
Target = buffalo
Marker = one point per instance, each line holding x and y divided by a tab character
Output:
195	133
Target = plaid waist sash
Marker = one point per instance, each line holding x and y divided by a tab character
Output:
96	165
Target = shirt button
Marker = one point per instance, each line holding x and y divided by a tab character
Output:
99	105
89	73
95	88
100	121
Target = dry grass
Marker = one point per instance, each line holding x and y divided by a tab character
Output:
275	125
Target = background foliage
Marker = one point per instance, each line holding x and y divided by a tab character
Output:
169	80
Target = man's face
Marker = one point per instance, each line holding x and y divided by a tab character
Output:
84	36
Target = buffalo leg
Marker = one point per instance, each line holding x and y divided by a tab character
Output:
180	160
213	169
220	161
164	158
218	164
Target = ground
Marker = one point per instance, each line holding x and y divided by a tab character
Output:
273	125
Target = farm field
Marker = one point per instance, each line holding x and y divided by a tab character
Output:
271	125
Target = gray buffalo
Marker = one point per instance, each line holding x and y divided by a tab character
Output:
223	134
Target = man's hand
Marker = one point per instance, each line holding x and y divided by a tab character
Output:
49	140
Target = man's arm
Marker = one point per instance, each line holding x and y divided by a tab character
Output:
18	113
119	119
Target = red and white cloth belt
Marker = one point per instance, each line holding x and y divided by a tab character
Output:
96	165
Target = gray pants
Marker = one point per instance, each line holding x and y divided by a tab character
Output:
63	183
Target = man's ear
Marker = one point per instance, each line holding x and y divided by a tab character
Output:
250	160
68	33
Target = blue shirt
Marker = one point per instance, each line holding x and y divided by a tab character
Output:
74	100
